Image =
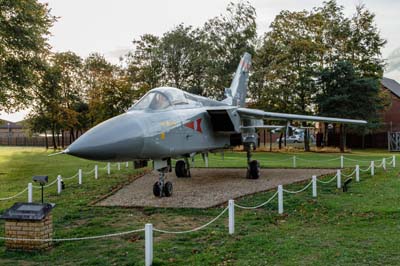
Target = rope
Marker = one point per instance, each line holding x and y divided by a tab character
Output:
192	230
257	206
352	173
365	170
327	160
327	182
71	177
354	160
16	195
72	239
298	191
88	173
280	160
377	166
48	185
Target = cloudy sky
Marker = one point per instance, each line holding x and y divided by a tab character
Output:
109	26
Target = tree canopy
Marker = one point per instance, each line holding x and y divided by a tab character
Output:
310	62
24	29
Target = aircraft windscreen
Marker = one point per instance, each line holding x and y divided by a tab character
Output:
154	101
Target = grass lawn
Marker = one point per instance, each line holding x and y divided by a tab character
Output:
358	227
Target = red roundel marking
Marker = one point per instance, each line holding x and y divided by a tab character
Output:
198	124
190	125
195	125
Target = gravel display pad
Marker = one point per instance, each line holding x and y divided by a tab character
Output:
206	188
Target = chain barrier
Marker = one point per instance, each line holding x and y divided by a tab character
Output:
298	191
16	195
194	229
257	206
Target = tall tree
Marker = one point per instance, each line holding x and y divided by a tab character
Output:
24	29
345	93
228	36
109	90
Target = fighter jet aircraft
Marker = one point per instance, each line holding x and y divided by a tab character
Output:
168	123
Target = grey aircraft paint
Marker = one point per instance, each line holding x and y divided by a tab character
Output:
170	123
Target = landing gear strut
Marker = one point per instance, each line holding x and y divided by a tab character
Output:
162	188
253	166
182	168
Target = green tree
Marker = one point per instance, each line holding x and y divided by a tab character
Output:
24	26
345	93
109	90
228	37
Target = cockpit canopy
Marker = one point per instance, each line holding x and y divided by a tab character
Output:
161	99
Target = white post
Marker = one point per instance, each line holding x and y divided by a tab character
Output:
357	173
119	166
394	161
108	169
96	171
206	159
280	199
339	178
29	192
148	240
231	208
341	161
372	168
59	186
126	164
384	164
314	186
294	161
80	177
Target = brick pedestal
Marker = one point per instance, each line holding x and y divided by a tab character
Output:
29	229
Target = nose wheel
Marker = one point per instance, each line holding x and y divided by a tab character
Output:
162	188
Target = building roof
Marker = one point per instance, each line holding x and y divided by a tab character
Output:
391	85
4	125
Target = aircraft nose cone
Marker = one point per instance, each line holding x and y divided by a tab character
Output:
118	138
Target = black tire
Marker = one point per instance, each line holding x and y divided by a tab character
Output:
167	189
254	170
180	169
157	189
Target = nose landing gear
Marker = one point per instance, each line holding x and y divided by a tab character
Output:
162	188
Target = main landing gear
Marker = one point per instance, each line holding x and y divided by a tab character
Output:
253	166
182	168
162	188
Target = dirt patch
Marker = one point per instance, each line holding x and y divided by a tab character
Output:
206	188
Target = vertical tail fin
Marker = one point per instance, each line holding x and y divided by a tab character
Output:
236	94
